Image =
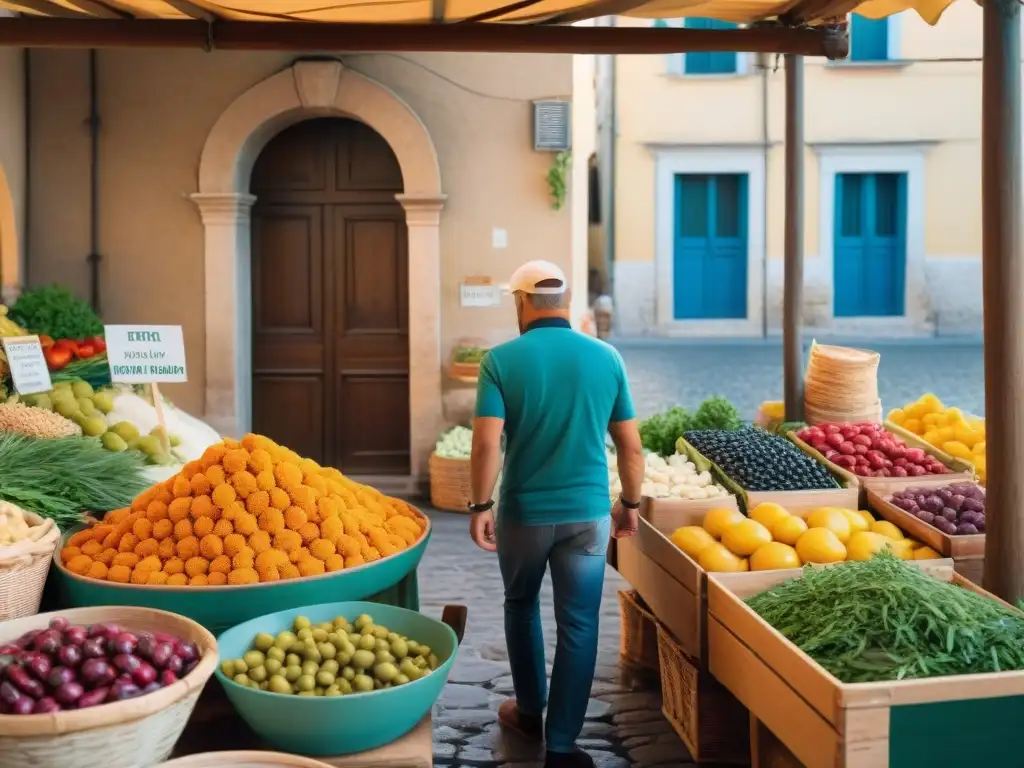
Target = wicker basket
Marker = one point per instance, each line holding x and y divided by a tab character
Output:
23	570
124	734
638	640
244	760
711	722
449	483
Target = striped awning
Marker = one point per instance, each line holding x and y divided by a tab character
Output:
449	11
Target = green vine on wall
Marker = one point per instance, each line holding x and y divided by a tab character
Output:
557	179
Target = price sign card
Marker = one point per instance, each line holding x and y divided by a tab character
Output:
28	366
471	295
146	354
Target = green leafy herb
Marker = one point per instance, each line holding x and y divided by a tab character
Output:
660	432
53	311
64	478
886	620
470	354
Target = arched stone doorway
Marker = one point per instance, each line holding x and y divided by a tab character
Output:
330	297
314	89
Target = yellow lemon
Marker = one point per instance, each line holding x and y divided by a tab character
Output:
833	519
718	559
913	425
887	529
720	518
979	448
788	529
774	555
745	537
856	520
931	403
768	513
902	548
926	553
693	540
865	545
820	545
897	416
867	517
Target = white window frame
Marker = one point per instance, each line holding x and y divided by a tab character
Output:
675	63
909	158
893	48
671	161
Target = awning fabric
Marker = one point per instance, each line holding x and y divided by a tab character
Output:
447	11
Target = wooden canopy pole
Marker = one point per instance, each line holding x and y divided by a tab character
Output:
793	280
38	32
1003	290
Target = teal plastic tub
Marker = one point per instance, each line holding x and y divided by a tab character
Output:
218	608
339	725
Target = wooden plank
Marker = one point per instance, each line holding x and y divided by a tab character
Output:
414	750
680	610
771	699
479	37
943	543
816	686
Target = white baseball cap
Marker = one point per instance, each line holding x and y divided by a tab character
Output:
525	278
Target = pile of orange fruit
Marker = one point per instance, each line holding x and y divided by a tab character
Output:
248	511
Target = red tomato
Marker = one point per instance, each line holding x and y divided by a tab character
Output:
57	357
99	344
85	350
45	341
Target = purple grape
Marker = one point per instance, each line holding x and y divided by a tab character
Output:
46	706
23	706
925	516
59	624
933	504
945	494
966	529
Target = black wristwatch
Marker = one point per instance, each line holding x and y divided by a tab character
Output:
629	504
477	508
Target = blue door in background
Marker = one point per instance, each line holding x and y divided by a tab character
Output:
870	254
710	247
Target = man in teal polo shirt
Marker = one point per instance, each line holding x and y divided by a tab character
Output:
556	393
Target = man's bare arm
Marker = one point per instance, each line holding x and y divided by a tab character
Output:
629	453
485	460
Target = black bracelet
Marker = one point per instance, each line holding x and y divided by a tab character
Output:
629	504
477	508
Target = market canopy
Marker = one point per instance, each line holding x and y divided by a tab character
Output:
446	12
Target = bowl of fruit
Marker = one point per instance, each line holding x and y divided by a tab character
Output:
99	687
334	679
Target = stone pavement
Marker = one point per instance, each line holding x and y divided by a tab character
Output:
624	724
664	373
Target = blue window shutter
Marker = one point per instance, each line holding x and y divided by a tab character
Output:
869	39
707	63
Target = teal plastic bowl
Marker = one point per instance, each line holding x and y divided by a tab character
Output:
339	725
218	608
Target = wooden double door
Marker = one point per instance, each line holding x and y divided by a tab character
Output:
330	298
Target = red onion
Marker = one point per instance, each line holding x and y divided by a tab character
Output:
46	706
93	697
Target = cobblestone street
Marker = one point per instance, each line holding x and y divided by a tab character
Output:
625	726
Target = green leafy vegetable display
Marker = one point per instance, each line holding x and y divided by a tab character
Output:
53	311
660	432
64	478
470	354
883	619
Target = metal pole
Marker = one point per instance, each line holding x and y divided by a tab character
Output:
793	290
1003	291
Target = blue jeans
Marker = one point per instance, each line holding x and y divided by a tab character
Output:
576	554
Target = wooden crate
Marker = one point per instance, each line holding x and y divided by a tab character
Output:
967	552
798	503
672	585
638	638
709	719
829	724
766	751
960	472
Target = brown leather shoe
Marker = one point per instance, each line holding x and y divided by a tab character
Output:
529	726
